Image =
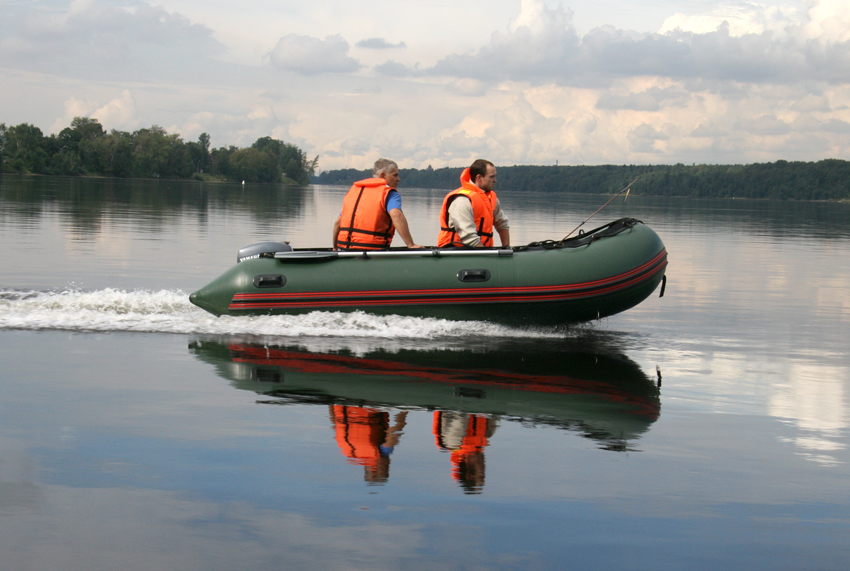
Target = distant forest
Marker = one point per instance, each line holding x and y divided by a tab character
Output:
822	180
85	148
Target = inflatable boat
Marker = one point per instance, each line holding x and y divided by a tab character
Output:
592	275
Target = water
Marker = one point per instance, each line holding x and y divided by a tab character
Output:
706	429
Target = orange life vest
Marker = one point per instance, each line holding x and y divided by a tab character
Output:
483	205
360	433
365	223
474	438
471	447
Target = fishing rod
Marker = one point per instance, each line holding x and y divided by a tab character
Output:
626	190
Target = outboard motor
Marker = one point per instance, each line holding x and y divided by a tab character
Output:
262	250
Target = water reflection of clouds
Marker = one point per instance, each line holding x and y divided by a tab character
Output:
813	400
167	530
723	382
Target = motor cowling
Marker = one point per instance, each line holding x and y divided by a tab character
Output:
262	249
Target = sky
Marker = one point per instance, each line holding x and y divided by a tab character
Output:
440	83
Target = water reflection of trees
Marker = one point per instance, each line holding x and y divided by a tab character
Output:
821	220
87	202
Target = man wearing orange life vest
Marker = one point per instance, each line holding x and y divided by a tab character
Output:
471	212
465	436
371	212
365	437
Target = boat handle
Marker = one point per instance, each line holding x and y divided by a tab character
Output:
269	280
473	275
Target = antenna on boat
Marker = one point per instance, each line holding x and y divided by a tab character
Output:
626	190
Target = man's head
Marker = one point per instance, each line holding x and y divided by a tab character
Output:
483	175
387	170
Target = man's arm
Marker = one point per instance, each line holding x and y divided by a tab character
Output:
500	222
400	223
461	218
336	230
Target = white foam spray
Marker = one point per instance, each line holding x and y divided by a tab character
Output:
169	311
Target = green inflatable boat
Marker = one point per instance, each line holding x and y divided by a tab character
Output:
592	275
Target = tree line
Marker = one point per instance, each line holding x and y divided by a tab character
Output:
822	180
85	148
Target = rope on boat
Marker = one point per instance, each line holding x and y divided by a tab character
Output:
584	238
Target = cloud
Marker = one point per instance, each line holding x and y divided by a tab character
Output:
310	56
808	123
91	34
275	95
642	139
742	19
541	45
348	147
379	44
367	89
653	99
829	20
392	68
709	131
539	42
468	87
510	129
119	113
767	125
461	144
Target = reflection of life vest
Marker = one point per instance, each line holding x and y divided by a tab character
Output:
483	205
465	442
360	433
365	223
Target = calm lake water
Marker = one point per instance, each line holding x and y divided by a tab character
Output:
707	429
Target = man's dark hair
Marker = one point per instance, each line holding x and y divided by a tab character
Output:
479	167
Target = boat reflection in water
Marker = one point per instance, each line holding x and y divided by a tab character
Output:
584	388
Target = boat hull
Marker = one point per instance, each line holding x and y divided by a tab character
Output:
538	285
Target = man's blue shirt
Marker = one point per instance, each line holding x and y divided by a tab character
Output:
393	200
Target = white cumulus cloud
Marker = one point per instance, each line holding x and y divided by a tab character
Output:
541	45
309	56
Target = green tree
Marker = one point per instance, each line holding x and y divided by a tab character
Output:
150	152
156	154
24	150
200	153
253	165
2	145
291	161
90	135
116	150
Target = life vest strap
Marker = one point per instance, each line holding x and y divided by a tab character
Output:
368	232
346	245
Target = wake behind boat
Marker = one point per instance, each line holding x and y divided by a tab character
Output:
592	275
